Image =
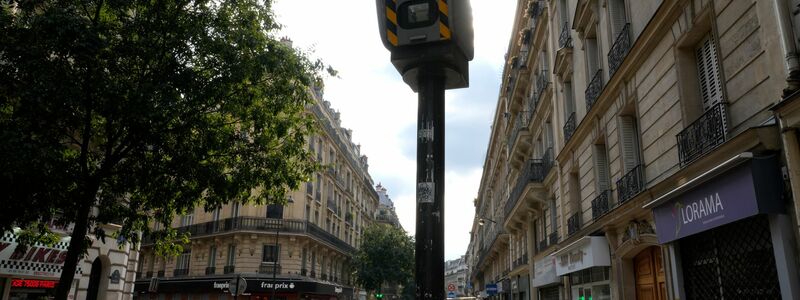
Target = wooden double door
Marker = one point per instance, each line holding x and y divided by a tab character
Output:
650	277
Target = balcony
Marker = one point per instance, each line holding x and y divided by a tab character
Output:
521	261
619	50
534	171
211	270
332	206
139	275
594	89
521	124
631	184
541	84
149	274
261	225
324	276
574	224
600	205
313	274
180	272
565	38
269	268
303	272
160	273
229	269
569	127
542	245
703	135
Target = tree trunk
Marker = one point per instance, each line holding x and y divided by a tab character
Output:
76	246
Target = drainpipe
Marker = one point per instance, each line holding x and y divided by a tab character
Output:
789	46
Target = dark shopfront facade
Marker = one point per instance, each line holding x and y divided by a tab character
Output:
727	233
258	288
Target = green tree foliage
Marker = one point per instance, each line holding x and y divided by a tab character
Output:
386	256
135	111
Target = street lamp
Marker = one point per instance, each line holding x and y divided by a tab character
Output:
482	221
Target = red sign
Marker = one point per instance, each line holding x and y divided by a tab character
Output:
451	287
33	283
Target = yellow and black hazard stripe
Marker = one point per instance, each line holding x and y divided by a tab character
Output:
444	22
391	21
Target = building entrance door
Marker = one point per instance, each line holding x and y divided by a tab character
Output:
650	278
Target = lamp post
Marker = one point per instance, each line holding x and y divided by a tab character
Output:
482	221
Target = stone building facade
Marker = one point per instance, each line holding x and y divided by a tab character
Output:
643	150
303	250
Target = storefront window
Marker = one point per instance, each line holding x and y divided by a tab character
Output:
591	284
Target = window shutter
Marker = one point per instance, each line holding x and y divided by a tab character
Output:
601	167
708	72
629	143
616	9
569	106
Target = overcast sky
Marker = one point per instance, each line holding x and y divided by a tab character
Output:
382	110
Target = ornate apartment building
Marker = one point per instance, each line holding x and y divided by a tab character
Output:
299	251
643	149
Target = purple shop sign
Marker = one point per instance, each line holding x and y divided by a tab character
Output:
744	191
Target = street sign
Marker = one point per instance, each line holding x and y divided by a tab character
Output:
237	286
451	287
491	289
451	295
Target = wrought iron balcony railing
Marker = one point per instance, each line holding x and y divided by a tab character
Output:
574	223
269	268
535	9
160	273
229	269
519	125
303	272
619	50
569	127
601	204
594	89
263	225
148	274
535	170
542	245
313	274
211	270
565	38
631	184
139	275
180	272
703	135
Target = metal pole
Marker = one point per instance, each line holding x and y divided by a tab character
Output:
277	255
430	185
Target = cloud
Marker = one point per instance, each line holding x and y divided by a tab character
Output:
382	110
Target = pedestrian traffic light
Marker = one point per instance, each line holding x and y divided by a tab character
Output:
424	32
379	296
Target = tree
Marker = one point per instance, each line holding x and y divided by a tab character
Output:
386	256
135	111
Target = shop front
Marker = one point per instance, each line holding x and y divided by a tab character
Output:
519	287
722	229
30	273
586	263
256	288
545	281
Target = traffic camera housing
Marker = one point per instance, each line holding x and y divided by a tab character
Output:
428	33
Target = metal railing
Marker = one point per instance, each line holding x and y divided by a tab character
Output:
269	268
569	127
703	135
631	184
619	50
229	269
594	89
522	260
534	171
553	238
180	272
565	38
601	204
541	85
542	245
519	125
149	274
303	272
526	37
211	270
574	223
160	273
264	225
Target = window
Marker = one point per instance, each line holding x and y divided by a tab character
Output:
563	11
601	168
235	210
215	215
231	255
186	219
618	16
629	137
270	254
275	211
212	256
569	99
183	260
708	72
553	214
303	258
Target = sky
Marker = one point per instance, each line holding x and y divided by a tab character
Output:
381	109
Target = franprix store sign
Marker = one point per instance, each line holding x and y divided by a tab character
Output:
35	261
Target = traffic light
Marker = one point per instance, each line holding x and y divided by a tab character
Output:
424	32
379	296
